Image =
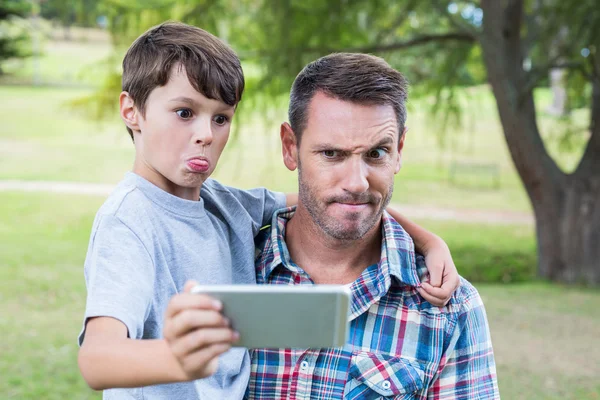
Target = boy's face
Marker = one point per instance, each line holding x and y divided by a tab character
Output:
180	139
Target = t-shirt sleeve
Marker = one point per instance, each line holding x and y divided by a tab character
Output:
119	275
260	203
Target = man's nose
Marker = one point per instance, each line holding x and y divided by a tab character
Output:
202	133
355	176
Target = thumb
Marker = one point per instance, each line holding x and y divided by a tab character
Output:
189	285
435	274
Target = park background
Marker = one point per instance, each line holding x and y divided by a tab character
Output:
62	148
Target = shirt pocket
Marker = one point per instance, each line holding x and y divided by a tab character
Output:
381	376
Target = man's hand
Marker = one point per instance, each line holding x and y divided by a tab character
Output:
443	277
197	333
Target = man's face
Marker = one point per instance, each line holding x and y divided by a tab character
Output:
180	139
347	160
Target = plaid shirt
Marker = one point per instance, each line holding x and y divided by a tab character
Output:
400	346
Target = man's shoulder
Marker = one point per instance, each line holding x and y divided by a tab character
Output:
466	297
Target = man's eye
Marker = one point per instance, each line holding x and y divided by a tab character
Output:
221	119
376	153
330	153
184	113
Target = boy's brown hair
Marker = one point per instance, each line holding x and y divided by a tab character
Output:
212	67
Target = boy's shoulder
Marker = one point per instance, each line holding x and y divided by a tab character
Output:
125	201
223	196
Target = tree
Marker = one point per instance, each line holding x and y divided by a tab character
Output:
443	45
433	42
12	44
566	206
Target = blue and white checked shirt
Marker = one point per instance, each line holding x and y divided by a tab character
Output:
400	346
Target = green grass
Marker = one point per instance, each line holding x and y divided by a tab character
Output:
544	340
489	253
62	61
544	335
43	242
43	138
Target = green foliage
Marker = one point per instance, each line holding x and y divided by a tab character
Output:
504	254
435	44
72	12
14	38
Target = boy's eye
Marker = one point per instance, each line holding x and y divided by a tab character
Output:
376	154
221	119
184	113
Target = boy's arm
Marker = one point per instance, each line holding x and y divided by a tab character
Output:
443	277
195	334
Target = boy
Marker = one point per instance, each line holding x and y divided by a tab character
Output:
158	229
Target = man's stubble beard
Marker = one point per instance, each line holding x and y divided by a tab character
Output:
330	226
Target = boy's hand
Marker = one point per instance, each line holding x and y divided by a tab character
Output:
443	277
197	333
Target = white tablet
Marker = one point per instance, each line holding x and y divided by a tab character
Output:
282	316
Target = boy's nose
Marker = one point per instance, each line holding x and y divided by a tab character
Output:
203	133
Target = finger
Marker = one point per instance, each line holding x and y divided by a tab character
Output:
451	282
433	300
436	271
200	338
192	319
443	294
189	286
204	362
186	301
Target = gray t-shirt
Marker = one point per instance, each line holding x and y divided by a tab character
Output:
145	244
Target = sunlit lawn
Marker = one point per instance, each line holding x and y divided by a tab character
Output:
43	138
544	335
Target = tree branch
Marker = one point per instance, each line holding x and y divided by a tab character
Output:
539	73
458	23
400	19
413	42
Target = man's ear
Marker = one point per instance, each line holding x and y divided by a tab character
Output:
289	146
129	112
400	147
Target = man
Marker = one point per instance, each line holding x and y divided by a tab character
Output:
346	135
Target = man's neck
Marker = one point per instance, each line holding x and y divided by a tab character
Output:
325	259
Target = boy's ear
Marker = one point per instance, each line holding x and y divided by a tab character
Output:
400	147
289	147
129	112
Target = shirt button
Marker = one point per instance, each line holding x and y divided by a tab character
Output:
304	365
386	385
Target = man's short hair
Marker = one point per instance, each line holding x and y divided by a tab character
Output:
354	77
212	67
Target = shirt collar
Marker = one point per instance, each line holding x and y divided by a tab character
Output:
397	251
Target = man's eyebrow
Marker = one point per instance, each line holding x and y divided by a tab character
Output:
328	146
385	141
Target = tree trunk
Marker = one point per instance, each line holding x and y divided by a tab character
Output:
566	207
569	235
